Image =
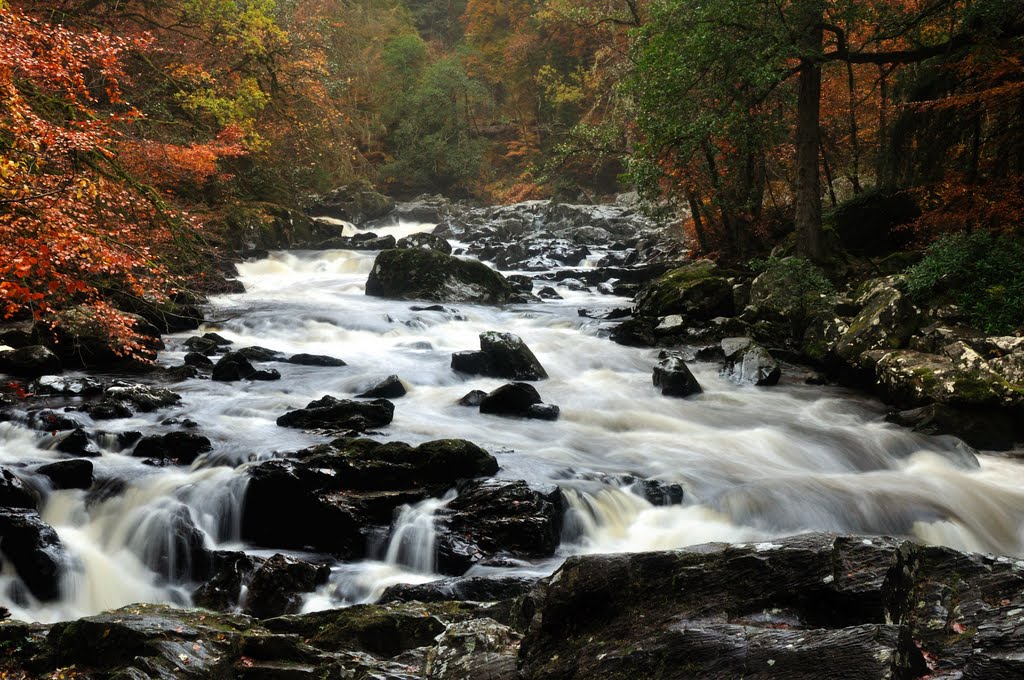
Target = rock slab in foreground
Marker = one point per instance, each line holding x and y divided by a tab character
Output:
415	274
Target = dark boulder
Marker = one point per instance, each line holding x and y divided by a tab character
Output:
203	345
76	443
429	275
674	378
543	412
471	588
520	283
47	420
389	388
498	517
357	203
14	493
747	362
513	399
257	353
235	366
68	474
230	571
180	448
425	241
108	409
365	241
34	549
29	362
548	293
501	355
340	415
474	398
989	430
277	586
315	360
198	360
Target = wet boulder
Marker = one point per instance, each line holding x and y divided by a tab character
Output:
674	378
425	241
517	399
358	202
48	420
364	241
277	586
501	355
697	291
168	541
984	429
257	353
29	362
35	551
235	366
108	409
67	386
68	474
145	398
76	443
473	398
471	588
198	360
747	362
340	415
520	283
315	360
411	274
498	517
203	345
180	448
230	571
910	379
14	493
389	388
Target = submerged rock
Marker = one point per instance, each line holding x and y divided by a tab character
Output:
145	398
181	448
517	399
389	388
235	366
315	360
14	493
414	274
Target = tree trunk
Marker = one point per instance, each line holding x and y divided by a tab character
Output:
810	243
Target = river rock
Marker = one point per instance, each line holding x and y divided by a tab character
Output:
425	241
30	362
230	571
145	398
76	443
358	202
501	355
203	345
749	363
198	360
68	474
340	415
315	360
674	378
35	551
108	409
257	353
514	399
697	291
277	586
984	429
67	386
429	275
820	609
364	241
14	493
235	366
180	448
389	388
472	588
48	420
910	379
520	283
474	398
492	517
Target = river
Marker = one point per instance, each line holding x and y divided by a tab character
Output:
754	463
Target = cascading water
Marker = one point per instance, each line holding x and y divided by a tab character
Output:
753	463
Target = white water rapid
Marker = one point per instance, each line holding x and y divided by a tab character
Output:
754	463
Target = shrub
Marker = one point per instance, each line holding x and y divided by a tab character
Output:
983	274
793	287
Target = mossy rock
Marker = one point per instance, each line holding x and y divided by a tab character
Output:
413	274
697	291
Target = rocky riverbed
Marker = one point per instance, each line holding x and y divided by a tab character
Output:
387	459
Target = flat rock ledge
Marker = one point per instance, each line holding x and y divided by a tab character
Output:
809	606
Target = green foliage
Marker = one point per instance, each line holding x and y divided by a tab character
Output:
794	287
982	273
